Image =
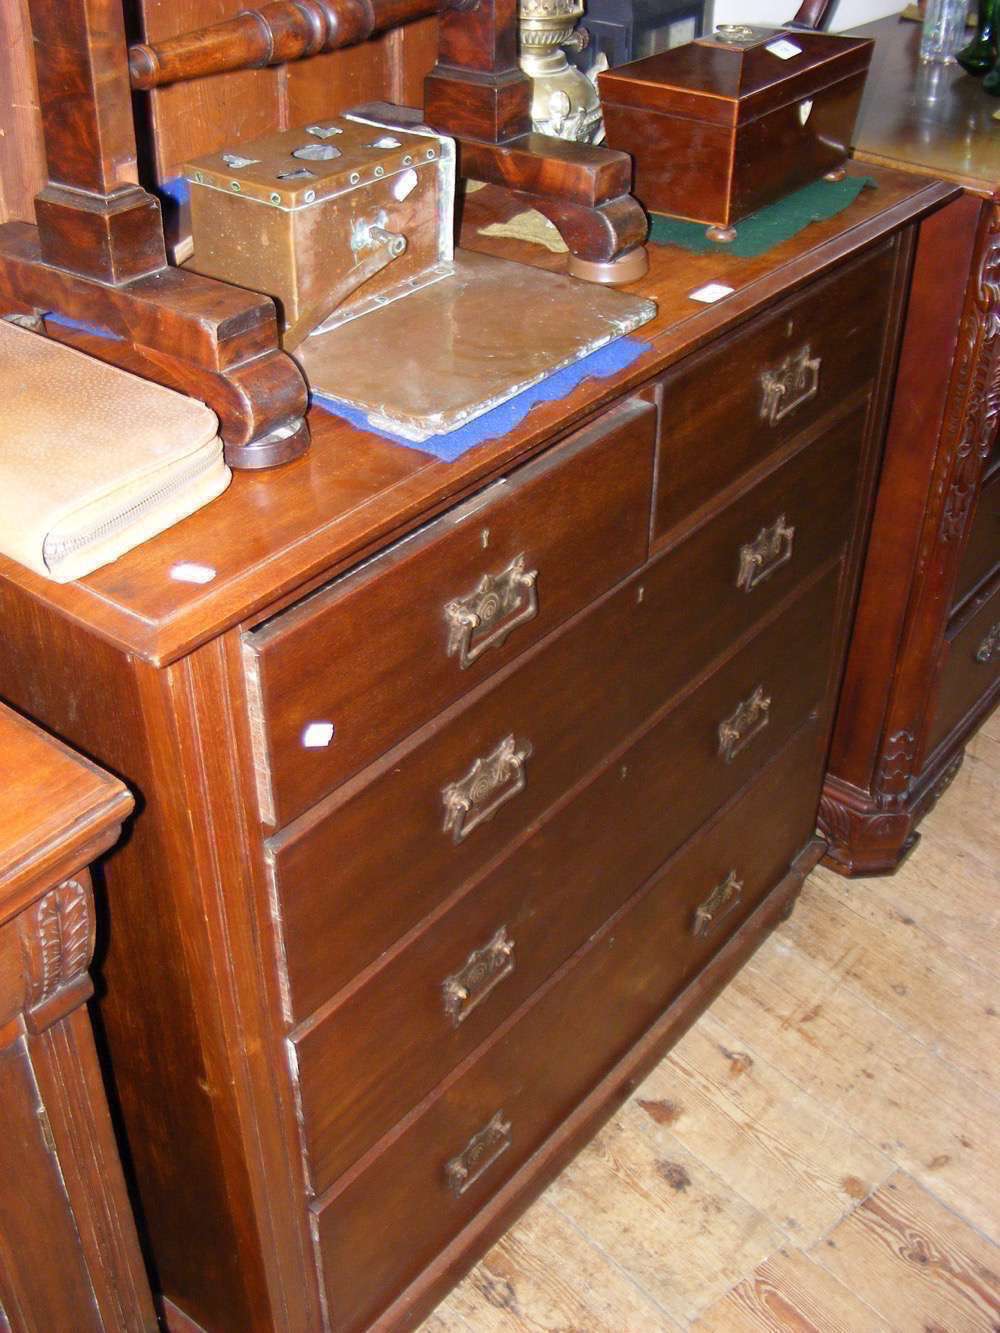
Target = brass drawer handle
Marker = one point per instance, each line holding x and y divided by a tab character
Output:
769	550
483	970
747	721
478	1155
491	782
484	617
794	382
721	900
990	645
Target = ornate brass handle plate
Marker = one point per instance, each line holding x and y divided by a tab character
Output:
747	721
491	782
794	382
484	617
478	1155
769	550
990	644
483	970
721	900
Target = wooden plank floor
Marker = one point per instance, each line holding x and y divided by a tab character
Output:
822	1150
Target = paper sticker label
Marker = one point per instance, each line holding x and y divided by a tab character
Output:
317	735
784	49
713	291
191	573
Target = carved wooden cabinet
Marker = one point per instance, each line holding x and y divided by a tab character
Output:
924	666
69	1255
465	787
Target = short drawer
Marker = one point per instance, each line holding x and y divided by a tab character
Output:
982	553
971	669
725	410
378	1053
355	874
340	678
390	1219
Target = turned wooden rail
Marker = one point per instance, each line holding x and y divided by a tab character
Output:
274	34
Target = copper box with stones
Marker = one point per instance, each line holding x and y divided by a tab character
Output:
331	220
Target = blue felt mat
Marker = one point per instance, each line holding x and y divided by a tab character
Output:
607	360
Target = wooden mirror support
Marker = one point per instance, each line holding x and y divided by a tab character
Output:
96	260
476	93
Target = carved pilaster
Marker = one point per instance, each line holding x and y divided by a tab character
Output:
973	409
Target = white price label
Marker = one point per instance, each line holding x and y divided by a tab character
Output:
784	49
713	291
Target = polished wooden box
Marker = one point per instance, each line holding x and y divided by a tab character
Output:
718	129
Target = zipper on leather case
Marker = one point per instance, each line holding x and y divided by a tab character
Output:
55	549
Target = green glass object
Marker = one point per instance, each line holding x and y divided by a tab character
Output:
980	55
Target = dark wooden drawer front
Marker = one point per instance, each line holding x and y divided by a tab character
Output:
719	417
982	554
389	1220
971	669
694	598
389	646
377	1054
347	890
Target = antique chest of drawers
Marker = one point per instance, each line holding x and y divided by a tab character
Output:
923	669
464	788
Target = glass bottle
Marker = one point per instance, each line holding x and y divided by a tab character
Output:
944	28
981	53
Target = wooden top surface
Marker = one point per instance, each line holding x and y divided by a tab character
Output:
279	532
928	118
55	806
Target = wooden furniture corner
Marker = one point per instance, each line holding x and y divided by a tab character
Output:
69	1254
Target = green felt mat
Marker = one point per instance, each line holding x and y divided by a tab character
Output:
770	226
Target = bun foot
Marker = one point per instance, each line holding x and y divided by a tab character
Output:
721	235
837	174
629	267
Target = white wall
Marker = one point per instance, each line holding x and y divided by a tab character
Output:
848	13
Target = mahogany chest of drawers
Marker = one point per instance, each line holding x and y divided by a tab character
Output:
923	671
464	788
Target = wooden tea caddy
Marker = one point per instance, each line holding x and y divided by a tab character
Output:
728	124
97	256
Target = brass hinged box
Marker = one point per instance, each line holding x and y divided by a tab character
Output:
330	220
720	128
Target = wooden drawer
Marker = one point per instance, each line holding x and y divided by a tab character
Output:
971	669
719	419
346	890
389	1219
385	648
982	553
710	589
366	1063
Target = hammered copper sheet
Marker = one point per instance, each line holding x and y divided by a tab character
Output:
432	361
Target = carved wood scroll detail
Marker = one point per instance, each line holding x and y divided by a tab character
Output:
57	937
895	771
974	409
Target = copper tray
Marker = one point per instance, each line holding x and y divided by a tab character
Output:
432	361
